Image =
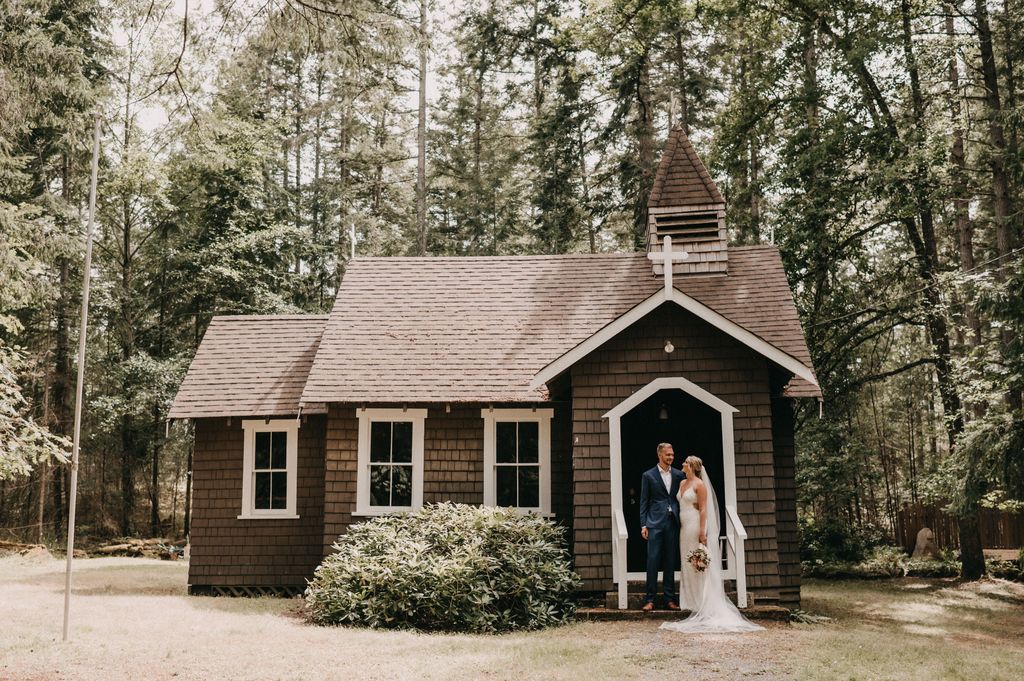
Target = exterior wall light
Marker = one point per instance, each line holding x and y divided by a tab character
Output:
669	348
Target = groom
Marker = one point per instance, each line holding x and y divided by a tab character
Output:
659	520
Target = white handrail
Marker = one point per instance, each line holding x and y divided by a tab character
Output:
736	535
734	518
620	534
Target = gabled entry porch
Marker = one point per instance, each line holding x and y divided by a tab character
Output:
638	419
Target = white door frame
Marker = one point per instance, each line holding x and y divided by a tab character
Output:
615	443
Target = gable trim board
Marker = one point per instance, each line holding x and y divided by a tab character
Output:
605	334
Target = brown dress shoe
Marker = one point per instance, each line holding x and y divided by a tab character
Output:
648	607
672	605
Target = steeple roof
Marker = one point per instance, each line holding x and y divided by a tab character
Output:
682	179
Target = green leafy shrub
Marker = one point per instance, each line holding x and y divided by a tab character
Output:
447	567
887	560
945	565
884	562
835	541
1005	569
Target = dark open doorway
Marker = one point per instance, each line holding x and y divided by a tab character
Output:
691	427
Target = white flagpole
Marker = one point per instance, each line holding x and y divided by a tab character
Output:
73	492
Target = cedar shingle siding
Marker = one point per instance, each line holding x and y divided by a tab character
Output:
227	551
785	502
715	362
453	461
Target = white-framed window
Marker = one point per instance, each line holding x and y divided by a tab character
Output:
517	459
390	460
269	468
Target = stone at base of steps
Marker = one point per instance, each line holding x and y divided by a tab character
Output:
774	613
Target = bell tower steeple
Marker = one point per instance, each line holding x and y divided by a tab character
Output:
686	205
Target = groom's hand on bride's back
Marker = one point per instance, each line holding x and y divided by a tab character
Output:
643	533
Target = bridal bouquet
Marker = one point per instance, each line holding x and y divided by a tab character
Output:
699	559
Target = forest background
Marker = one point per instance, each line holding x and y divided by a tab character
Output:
245	142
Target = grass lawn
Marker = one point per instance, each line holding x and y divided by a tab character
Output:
131	619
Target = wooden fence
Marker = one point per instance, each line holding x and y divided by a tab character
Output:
999	529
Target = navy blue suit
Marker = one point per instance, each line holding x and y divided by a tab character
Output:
659	513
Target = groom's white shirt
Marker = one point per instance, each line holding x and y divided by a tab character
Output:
666	477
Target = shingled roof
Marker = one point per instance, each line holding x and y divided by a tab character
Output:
681	179
250	366
479	329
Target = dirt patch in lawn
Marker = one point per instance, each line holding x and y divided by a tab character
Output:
131	619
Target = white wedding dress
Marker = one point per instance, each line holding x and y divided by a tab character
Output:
703	593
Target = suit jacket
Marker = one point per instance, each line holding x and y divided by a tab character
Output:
658	507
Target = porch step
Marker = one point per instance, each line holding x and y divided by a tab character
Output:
637	591
635	599
773	613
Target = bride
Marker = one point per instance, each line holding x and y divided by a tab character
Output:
703	593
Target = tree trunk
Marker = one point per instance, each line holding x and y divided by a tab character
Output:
926	250
581	152
1011	49
961	201
298	174
682	80
316	208
1001	200
154	489
44	472
478	112
421	137
62	381
644	135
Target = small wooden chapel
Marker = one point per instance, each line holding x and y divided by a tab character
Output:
538	382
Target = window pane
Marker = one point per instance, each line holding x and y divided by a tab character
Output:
529	486
528	437
380	441
262	494
279	490
262	450
401	485
506	480
401	445
279	450
380	485
505	444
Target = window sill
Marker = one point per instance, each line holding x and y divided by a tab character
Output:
373	513
255	516
533	511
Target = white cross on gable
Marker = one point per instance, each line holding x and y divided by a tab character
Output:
666	258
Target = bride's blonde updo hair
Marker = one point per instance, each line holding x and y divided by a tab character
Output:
696	465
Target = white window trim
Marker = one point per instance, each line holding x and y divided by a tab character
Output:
250	428
543	418
367	417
